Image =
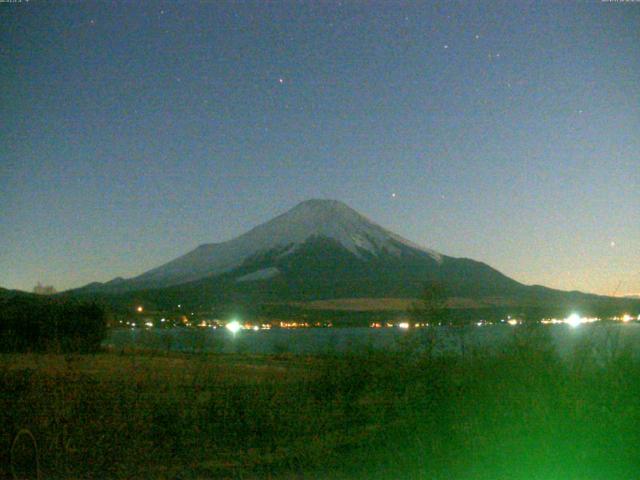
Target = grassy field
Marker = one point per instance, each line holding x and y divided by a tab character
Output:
517	414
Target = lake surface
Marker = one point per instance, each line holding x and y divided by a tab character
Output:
603	338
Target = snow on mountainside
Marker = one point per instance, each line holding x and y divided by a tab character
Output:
312	218
262	274
323	250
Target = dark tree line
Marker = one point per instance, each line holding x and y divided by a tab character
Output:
35	324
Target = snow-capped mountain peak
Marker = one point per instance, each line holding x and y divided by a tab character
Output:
313	218
336	220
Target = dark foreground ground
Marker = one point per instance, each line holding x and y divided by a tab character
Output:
520	413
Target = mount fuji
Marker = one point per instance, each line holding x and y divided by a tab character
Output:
320	250
309	222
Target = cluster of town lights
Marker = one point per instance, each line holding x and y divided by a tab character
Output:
234	326
575	320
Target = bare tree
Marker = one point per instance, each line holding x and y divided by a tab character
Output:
431	308
44	289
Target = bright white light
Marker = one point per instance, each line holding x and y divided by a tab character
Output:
233	326
163	320
149	324
512	321
404	325
573	320
626	318
256	328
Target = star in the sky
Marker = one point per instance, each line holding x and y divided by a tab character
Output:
613	244
281	80
393	195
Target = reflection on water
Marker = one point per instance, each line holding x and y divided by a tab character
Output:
602	338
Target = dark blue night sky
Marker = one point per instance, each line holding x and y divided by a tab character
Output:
505	132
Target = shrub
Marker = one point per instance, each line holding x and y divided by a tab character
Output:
35	324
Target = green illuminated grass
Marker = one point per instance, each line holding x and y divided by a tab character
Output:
516	414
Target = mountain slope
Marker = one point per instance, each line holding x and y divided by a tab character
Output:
321	250
285	233
322	268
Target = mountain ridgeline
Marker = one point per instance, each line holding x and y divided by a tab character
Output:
321	250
